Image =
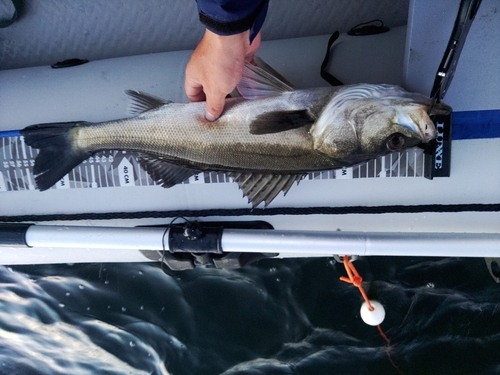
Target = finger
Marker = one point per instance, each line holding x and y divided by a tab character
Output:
194	91
253	48
215	106
199	97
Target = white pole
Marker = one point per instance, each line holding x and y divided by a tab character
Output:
298	243
362	243
134	238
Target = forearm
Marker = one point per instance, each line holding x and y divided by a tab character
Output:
231	38
230	17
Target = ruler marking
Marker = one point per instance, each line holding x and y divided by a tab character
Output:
87	179
23	147
31	185
10	150
94	183
105	175
99	175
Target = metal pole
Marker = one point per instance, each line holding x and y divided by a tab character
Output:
286	243
362	243
134	238
302	243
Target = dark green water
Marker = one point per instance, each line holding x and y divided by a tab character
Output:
274	317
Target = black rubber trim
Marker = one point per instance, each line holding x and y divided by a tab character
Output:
371	210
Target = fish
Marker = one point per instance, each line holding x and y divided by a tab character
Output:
267	139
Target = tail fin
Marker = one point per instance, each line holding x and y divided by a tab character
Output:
57	156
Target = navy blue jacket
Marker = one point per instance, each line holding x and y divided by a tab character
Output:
229	17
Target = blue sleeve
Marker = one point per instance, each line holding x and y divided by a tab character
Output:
229	17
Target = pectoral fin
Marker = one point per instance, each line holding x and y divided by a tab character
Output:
279	121
260	188
164	172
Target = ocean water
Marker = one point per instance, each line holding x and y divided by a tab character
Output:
274	317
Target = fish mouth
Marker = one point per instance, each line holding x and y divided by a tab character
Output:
428	131
418	122
426	127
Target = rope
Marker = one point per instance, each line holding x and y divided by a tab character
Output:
354	279
371	210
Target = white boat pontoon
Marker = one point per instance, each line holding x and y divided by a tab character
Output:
106	210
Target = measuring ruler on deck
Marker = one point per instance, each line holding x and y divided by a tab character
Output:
122	169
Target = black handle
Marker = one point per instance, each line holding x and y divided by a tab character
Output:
13	234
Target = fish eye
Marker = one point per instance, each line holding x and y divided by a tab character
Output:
395	142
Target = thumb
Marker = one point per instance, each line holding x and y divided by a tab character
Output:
215	106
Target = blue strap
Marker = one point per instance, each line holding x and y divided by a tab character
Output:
9	133
476	124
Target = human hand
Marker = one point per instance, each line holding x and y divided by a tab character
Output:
215	68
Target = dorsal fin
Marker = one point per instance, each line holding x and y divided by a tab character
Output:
268	68
141	102
261	80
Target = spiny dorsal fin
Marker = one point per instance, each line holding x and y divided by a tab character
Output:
261	80
164	172
141	102
260	188
280	121
268	68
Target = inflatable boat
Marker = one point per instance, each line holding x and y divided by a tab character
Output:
393	205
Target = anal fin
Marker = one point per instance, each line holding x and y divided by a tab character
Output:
260	188
257	187
164	172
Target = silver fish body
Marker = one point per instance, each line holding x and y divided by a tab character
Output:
179	133
265	143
